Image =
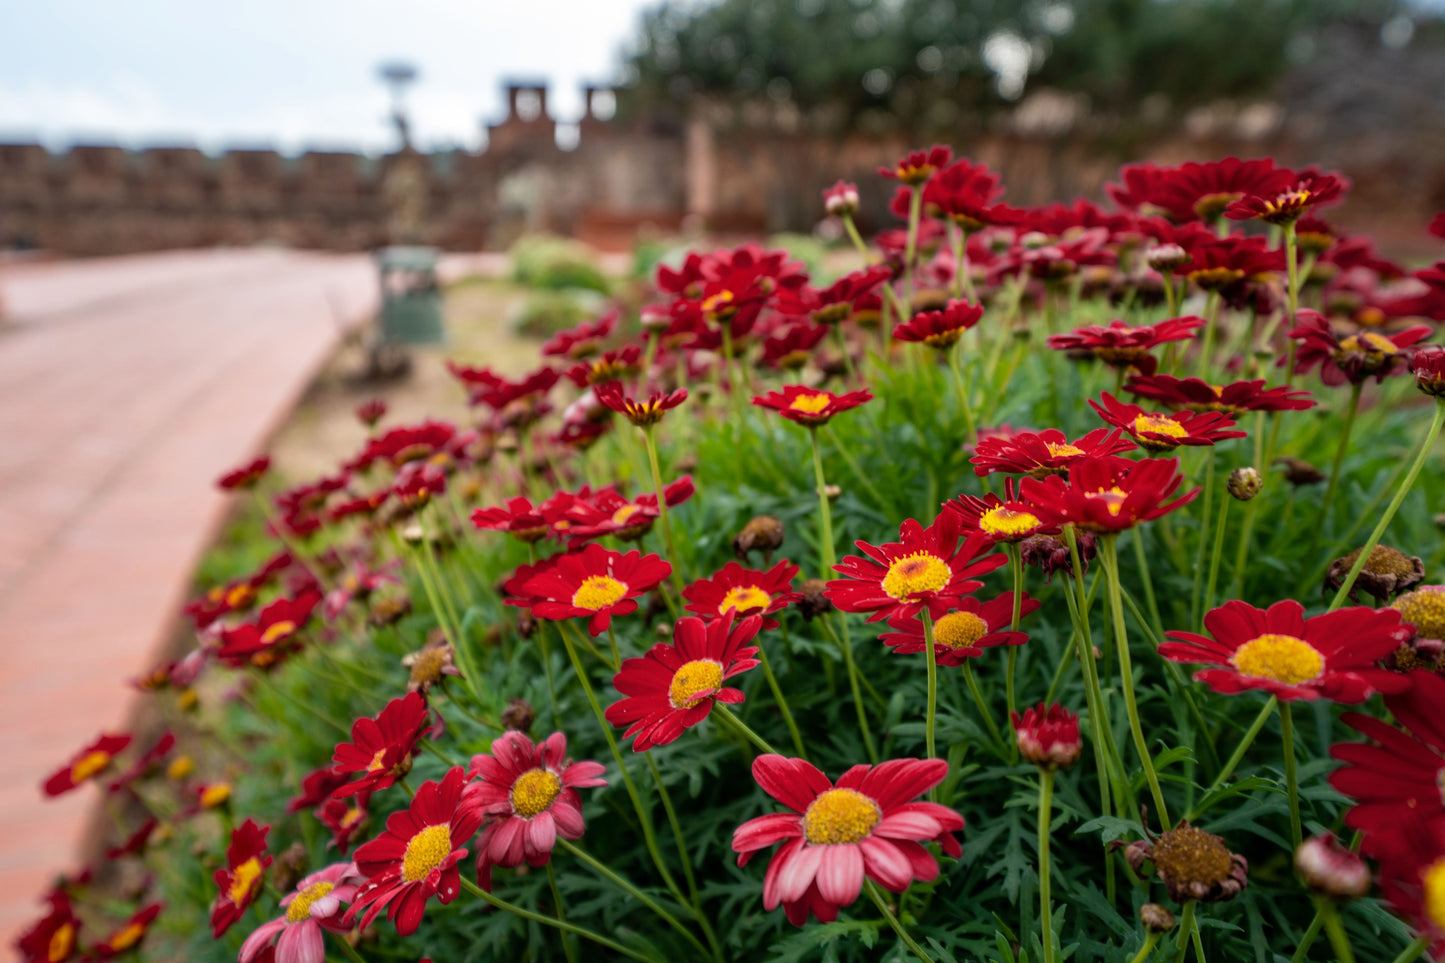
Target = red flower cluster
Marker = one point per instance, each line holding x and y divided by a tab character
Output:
1122	346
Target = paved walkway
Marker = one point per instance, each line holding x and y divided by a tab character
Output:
126	386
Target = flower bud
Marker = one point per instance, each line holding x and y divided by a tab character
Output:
1331	869
655	317
1428	366
1156	918
841	200
1245	483
1166	257
1048	736
519	715
813	602
762	533
1299	472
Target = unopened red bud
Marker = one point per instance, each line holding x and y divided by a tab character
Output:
1331	869
1156	918
1048	736
1166	257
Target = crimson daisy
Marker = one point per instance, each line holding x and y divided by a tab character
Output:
1428	367
643	413
86	764
791	345
919	165
130	933
416	857
315	905
810	406
965	193
53	937
1043	453
1000	519
595	583
617	365
962	632
242	878
1287	203
1331	656
607	513
1235	397
1108	495
745	591
1350	358
1122	346
345	818
583	340
832	305
317	787
266	641
1400	776
924	566
380	749
865	825
940	329
246	476
1195	190
673	687
1412	877
529	793
1161	432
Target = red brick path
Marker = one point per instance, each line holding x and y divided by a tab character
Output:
126	386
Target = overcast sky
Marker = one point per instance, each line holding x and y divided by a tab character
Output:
289	73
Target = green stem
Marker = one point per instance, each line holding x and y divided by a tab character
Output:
1425	448
1196	589
963	393
930	657
662	508
564	926
1291	777
1046	908
677	835
1152	939
743	729
1211	317
882	905
915	211
1335	930
1109	553
1186	926
1150	599
569	944
1219	529
983	710
1084	637
1308	939
1412	952
347	950
601	869
781	701
1344	445
1239	751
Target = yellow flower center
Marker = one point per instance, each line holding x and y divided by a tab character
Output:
1008	523
277	630
300	907
376	759
840	816
1424	608
240	596
598	592
810	404
425	852
428	666
89	764
720	305
62	941
1063	451
1113	498
1191	855
180	768
1368	342
1289	201
243	880
959	630
744	598
1211	206
1282	658
128	937
1159	425
624	514
916	573
694	682
1433	879
213	796
351	817
534	791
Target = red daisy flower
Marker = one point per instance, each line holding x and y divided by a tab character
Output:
1196	191
1412	877
940	329
595	583
1428	366
999	519
1121	346
841	200
1330	656
527	522
52	939
317	787
1039	454
530	794
314	905
1048	736
607	513
643	414
344	819
673	687
1160	432
1220	263
135	843
965	192
265	641
142	766
926	566
246	476
1238	396
1353	358
416	857
791	346
865	825
243	877
380	749
86	764
370	412
1287	204
831	305
1399	778
617	365
583	340
963	632
129	935
811	406
745	591
919	165
1108	495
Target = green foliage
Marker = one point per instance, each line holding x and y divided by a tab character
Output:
555	264
545	313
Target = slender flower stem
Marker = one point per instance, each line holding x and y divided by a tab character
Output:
562	925
603	870
1291	261
930	657
983	710
662	508
1426	447
1206	518
1344	445
1151	940
1220	526
1239	751
882	905
1412	952
569	944
1291	777
1016	561
1046	906
347	950
1109	553
915	212
963	394
1150	599
1335	930
1206	349
1186	926
1308	939
781	701
1084	637
743	729
644	818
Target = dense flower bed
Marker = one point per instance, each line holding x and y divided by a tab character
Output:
593	681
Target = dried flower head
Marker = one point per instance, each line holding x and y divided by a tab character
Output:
1156	918
1298	472
813	602
430	665
1192	864
762	533
1386	572
1245	483
518	715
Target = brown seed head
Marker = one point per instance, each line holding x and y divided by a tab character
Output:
762	533
1245	483
1156	918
